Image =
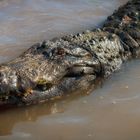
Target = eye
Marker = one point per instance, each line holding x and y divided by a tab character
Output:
44	87
59	51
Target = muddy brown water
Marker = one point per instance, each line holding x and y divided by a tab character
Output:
110	112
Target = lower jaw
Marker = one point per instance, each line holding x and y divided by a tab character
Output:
69	85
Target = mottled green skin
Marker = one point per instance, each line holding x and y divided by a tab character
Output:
59	66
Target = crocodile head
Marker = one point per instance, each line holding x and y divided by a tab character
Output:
47	71
59	67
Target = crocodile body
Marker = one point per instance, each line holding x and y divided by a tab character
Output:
58	66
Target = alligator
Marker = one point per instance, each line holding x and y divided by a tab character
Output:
56	67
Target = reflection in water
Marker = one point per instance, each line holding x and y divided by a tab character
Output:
12	116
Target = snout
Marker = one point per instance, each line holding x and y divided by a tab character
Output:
8	80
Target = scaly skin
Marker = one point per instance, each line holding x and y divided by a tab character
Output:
60	66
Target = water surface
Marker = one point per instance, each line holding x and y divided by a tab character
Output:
111	112
25	22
